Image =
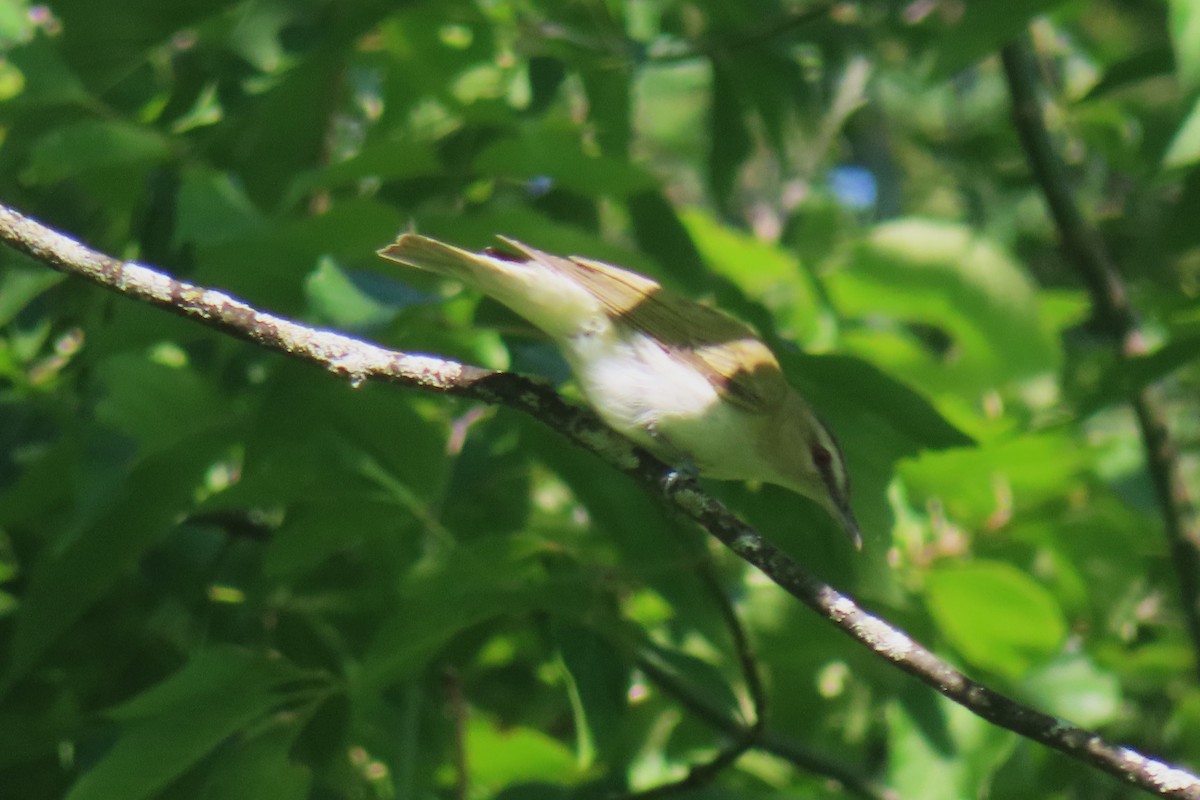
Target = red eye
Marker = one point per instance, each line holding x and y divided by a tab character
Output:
821	456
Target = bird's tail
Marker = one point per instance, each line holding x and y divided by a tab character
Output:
418	251
527	282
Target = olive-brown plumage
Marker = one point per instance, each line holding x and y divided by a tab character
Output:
688	382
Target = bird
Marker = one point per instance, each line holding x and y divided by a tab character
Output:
691	384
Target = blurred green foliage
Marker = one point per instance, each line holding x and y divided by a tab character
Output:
226	575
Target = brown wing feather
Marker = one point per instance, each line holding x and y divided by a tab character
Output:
726	351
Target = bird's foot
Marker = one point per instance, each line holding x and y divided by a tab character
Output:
683	472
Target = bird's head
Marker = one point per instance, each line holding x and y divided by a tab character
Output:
811	463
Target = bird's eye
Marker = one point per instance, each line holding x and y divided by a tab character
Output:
821	456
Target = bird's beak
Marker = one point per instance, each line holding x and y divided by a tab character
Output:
850	526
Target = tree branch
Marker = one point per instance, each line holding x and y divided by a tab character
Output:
849	776
359	361
1114	316
745	737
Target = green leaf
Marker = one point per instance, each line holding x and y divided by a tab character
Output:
982	29
731	142
491	490
19	286
374	435
47	80
306	538
949	277
156	401
455	590
283	133
94	144
1138	67
173	725
144	507
599	684
559	155
1184	149
1074	688
630	520
335	297
12	81
701	677
546	75
1185	36
997	616
608	84
502	755
878	422
1134	374
261	766
352	231
764	271
1029	470
104	43
212	208
388	160
15	23
939	750
255	31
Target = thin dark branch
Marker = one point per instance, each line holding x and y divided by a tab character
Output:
698	705
1114	316
747	661
744	736
701	775
753	36
358	362
456	708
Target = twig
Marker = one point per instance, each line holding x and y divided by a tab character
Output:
1115	318
778	744
700	775
745	736
741	643
456	709
358	361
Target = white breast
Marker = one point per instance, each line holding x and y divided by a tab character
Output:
663	403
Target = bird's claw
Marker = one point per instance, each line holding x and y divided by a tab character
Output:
685	472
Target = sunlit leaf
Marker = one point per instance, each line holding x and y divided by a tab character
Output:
995	615
941	751
1185	35
945	276
1076	689
501	756
1184	148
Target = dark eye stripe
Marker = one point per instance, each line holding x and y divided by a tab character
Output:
822	457
835	478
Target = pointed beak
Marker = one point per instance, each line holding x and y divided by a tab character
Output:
850	525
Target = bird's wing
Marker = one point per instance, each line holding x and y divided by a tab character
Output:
726	351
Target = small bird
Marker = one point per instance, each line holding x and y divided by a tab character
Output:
689	383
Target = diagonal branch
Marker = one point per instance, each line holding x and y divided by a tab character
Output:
745	736
700	706
1115	318
359	361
